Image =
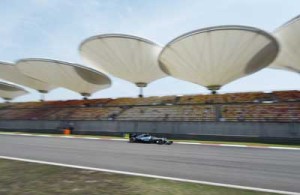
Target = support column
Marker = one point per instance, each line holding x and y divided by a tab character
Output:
141	86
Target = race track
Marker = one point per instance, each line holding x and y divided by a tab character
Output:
253	167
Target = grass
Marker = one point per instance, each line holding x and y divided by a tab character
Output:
29	178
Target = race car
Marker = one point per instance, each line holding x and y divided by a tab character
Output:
147	138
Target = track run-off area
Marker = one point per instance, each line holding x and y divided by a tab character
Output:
260	168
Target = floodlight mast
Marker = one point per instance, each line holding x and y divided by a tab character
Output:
141	85
213	88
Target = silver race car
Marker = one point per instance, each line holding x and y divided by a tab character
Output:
147	138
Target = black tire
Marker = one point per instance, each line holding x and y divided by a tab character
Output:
169	142
159	142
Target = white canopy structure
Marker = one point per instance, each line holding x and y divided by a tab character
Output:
288	36
75	77
215	56
128	57
9	91
11	73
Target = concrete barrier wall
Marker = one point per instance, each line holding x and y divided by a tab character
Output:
31	125
241	129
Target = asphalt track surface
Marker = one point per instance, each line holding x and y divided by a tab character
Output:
253	167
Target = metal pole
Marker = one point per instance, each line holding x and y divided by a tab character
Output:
141	92
42	97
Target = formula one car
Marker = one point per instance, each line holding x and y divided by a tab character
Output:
146	138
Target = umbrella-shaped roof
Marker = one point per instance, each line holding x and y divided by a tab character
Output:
75	77
288	36
128	57
9	91
215	56
11	73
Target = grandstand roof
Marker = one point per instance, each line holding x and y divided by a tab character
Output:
11	73
9	91
215	56
289	40
75	77
128	57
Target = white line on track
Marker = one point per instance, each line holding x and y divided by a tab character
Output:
151	176
283	148
185	143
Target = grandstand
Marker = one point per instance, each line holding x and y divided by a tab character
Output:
278	106
217	112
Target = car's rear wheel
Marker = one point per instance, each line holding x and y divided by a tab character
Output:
159	142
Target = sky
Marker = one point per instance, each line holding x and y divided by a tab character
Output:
54	29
